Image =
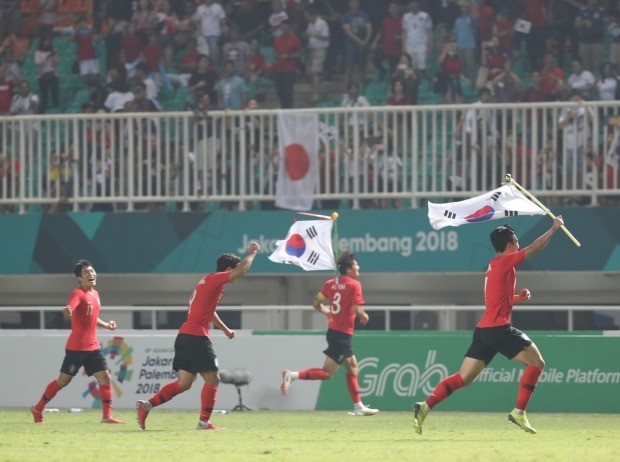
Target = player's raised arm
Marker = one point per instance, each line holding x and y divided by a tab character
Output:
244	266
543	240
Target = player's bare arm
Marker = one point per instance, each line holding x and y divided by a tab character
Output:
543	240
244	266
523	296
361	314
318	305
107	325
217	321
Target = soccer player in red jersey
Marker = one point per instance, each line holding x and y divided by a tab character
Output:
193	351
494	333
82	347
344	295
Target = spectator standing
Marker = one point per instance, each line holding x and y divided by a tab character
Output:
451	74
536	13
204	79
317	34
562	15
46	60
47	17
256	63
131	45
144	18
465	33
142	75
6	91
247	21
590	25
552	78
276	18
10	17
231	88
408	76
210	16
287	48
358	30
608	84
503	29
237	51
86	52
388	42
417	36
581	79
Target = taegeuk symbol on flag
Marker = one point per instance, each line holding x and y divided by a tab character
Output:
503	202
308	244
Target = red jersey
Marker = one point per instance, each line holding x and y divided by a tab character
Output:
85	41
499	288
6	96
203	302
152	56
85	307
286	45
391	32
343	293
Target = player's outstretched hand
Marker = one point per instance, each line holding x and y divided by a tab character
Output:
112	325
254	247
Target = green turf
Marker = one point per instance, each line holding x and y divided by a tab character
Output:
306	436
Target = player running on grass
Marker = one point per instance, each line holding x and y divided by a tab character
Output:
494	333
82	347
344	295
193	351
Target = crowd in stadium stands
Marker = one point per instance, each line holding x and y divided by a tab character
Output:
132	55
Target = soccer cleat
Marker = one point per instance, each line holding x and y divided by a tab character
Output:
208	426
143	408
286	381
363	410
111	420
419	414
38	416
521	421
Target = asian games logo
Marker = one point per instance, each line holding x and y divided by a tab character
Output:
119	359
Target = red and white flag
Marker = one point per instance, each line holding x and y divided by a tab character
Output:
308	244
503	202
298	138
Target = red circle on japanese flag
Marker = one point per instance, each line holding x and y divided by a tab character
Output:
297	161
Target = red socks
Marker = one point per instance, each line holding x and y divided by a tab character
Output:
354	389
313	374
168	391
527	386
105	395
207	401
444	389
50	391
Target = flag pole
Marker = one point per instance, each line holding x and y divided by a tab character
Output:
509	179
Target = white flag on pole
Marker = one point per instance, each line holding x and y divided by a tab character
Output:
298	139
506	201
308	244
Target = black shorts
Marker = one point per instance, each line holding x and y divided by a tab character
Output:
339	345
93	362
194	353
488	341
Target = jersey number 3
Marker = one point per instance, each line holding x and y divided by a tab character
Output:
335	306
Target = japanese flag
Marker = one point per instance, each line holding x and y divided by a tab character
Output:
308	244
506	201
298	138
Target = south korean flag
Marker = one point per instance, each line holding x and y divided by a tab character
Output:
308	244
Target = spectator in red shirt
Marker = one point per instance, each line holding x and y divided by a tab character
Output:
86	53
151	54
287	47
503	29
485	15
256	63
131	45
388	42
535	12
552	77
493	58
451	74
6	91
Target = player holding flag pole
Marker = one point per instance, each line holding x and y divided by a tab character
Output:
509	179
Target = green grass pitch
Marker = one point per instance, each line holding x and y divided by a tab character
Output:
307	436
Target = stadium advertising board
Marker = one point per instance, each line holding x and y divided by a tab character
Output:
395	369
385	240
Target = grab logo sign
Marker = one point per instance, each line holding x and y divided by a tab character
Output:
404	380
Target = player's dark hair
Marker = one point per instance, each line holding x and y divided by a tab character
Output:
345	261
227	260
77	269
501	237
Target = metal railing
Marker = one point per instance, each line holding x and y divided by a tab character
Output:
274	313
372	157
